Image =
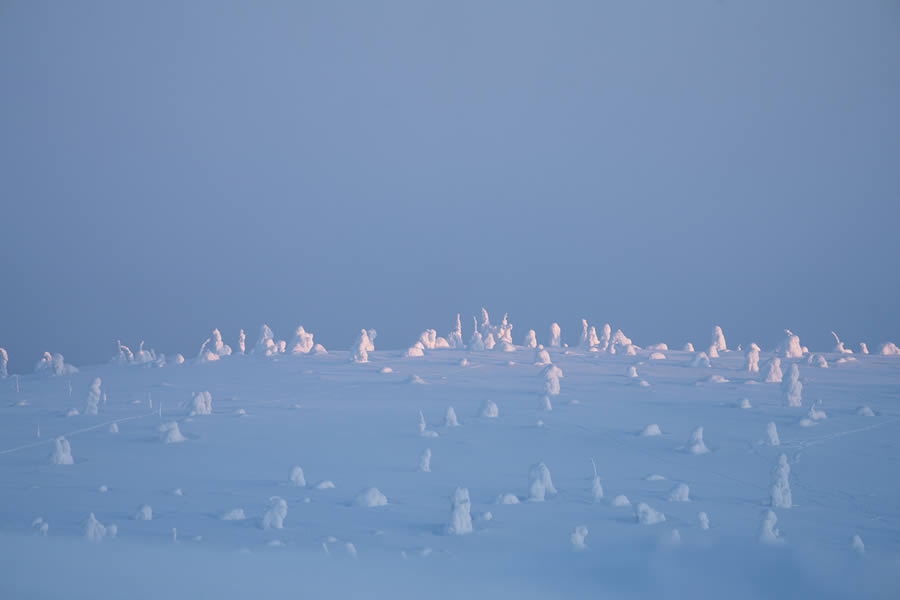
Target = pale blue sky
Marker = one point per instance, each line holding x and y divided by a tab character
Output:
170	167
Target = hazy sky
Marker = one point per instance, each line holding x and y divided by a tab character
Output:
169	167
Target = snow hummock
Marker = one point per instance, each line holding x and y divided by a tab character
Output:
792	388
507	499
780	495
170	434
818	360
460	517
578	536
95	531
490	410
235	514
772	433
769	533
95	394
700	360
62	452
621	501
144	513
745	403
695	444
276	513
773	371
425	461
657	356
646	515
889	349
650	430
201	404
325	484
296	477
680	493
370	498
865	411
541	484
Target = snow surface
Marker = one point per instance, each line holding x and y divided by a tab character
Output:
242	528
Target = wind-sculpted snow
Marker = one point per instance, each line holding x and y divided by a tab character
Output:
676	466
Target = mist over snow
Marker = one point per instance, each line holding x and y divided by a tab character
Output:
449	300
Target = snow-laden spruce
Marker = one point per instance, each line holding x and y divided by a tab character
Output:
359	351
95	531
780	494
302	342
425	461
818	360
95	394
792	388
265	342
596	485
790	347
170	433
541	356
62	452
41	526
371	498
450	419
490	410
476	342
144	513
544	403
53	365
4	361
700	360
621	501
863	348
201	404
454	338
745	403
773	371
704	520
297	478
839	345
752	356
680	493
772	433
275	514
695	444
423	428
889	349
235	514
552	375
555	335
213	348
718	340
460	517
768	531
541	483
242	342
645	515
124	355
857	545
530	340
577	537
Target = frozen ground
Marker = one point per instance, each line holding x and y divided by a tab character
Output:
358	427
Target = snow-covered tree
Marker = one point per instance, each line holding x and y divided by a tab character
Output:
302	343
460	517
4	361
92	403
781	488
790	347
792	387
555	335
752	365
359	351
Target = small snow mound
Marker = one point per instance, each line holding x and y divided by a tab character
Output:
103	489
240	413
865	411
644	384
745	404
385	370
815	414
72	412
114	428
62	452
507	499
657	356
578	536
464	362
297	477
688	347
645	515
450	419
704	520
680	493
715	379
541	484
621	501
325	485
41	526
275	515
655	477
177	492
235	514
651	430
631	372
144	513
415	380
490	410
170	434
370	498
701	359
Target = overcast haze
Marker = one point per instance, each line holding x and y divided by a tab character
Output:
172	167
